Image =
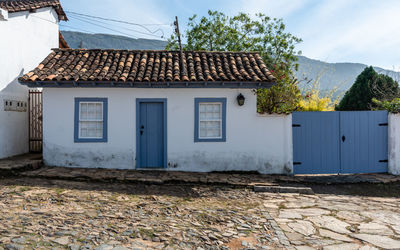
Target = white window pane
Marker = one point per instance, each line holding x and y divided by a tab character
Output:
202	107
89	129
99	132
83	132
91	111
210	129
83	110
99	111
203	115
203	133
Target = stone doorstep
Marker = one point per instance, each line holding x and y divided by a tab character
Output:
284	189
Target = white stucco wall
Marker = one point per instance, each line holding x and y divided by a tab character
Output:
26	39
394	144
253	142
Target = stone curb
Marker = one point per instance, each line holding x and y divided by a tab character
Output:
283	189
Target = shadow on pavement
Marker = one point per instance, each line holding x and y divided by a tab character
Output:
359	189
178	190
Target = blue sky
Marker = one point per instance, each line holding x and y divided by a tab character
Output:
361	31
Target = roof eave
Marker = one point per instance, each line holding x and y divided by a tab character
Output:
112	84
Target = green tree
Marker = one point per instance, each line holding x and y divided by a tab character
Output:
218	32
369	85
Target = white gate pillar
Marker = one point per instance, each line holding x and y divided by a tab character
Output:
394	144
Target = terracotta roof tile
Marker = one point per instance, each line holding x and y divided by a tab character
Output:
129	67
31	5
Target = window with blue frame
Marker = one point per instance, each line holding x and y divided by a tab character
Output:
90	123
210	120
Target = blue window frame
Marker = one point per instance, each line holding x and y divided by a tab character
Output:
90	121
210	119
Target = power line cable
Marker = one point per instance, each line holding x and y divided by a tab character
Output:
121	21
123	33
137	31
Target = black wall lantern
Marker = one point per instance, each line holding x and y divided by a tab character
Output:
240	99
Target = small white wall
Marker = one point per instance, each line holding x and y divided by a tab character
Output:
394	144
26	39
253	142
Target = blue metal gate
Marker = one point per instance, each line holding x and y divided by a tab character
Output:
340	142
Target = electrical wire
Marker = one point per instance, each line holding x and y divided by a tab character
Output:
123	33
133	30
121	21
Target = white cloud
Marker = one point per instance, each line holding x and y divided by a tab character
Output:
366	32
273	8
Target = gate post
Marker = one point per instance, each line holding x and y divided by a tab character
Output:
394	144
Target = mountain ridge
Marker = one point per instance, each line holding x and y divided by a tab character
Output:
332	75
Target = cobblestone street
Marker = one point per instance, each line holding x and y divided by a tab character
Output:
44	214
337	221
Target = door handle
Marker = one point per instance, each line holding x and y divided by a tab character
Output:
343	138
141	132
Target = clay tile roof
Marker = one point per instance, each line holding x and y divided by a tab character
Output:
62	44
129	67
31	5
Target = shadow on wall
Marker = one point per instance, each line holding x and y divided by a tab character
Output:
14	88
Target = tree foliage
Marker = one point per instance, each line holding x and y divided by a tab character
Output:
369	85
315	100
218	32
392	106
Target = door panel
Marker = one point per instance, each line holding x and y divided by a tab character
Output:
364	148
151	135
315	142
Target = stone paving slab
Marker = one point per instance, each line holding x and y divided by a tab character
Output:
57	214
331	221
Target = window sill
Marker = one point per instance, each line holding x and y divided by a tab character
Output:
89	140
210	140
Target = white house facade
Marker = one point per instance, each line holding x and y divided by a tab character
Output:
28	33
252	142
195	111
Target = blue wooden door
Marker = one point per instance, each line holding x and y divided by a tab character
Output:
364	142
316	142
151	122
